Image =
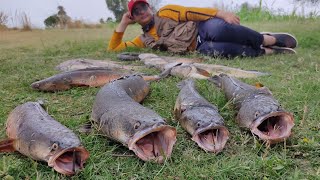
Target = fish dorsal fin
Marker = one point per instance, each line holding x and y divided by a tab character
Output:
7	145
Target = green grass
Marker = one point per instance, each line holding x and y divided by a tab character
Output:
295	82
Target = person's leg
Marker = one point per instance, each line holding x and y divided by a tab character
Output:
218	30
228	50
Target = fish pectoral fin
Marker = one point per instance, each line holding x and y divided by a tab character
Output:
203	72
86	128
7	145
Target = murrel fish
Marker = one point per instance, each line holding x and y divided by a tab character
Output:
200	118
120	117
91	77
34	133
257	109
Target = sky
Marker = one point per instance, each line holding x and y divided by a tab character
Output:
92	10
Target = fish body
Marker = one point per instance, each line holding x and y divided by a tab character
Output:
92	77
34	133
120	117
257	109
200	118
192	68
76	64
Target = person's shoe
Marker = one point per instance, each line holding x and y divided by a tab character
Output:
282	50
283	39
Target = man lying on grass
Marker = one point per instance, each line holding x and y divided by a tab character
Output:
210	31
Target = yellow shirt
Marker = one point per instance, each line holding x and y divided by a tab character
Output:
174	12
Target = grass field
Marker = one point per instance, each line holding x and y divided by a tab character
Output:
295	81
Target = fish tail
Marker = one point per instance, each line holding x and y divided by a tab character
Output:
216	80
7	145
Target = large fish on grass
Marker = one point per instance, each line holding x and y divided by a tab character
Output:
257	109
192	68
120	117
200	118
34	133
90	77
76	64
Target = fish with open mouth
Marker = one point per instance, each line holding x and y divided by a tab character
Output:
257	109
90	77
200	118
119	115
34	133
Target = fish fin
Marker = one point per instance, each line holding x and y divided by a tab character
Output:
151	78
86	128
216	80
265	90
203	72
166	72
42	103
258	85
7	145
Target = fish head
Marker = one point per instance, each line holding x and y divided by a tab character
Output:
38	85
207	128
52	84
67	160
273	127
152	140
264	116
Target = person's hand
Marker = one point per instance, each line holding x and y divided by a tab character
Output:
126	19
228	17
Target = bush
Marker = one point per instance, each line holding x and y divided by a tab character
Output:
52	21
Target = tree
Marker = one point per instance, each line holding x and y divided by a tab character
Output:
63	17
118	7
52	21
3	19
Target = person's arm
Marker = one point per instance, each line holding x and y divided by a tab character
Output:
116	43
182	13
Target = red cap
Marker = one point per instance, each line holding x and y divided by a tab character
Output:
131	3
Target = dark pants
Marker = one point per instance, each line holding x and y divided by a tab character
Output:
218	38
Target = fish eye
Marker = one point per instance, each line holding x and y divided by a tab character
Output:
137	125
54	146
256	114
198	124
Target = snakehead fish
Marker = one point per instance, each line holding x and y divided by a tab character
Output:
200	118
34	133
92	77
120	117
257	109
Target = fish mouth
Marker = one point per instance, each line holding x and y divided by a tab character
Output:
154	143
212	138
35	85
69	161
273	127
